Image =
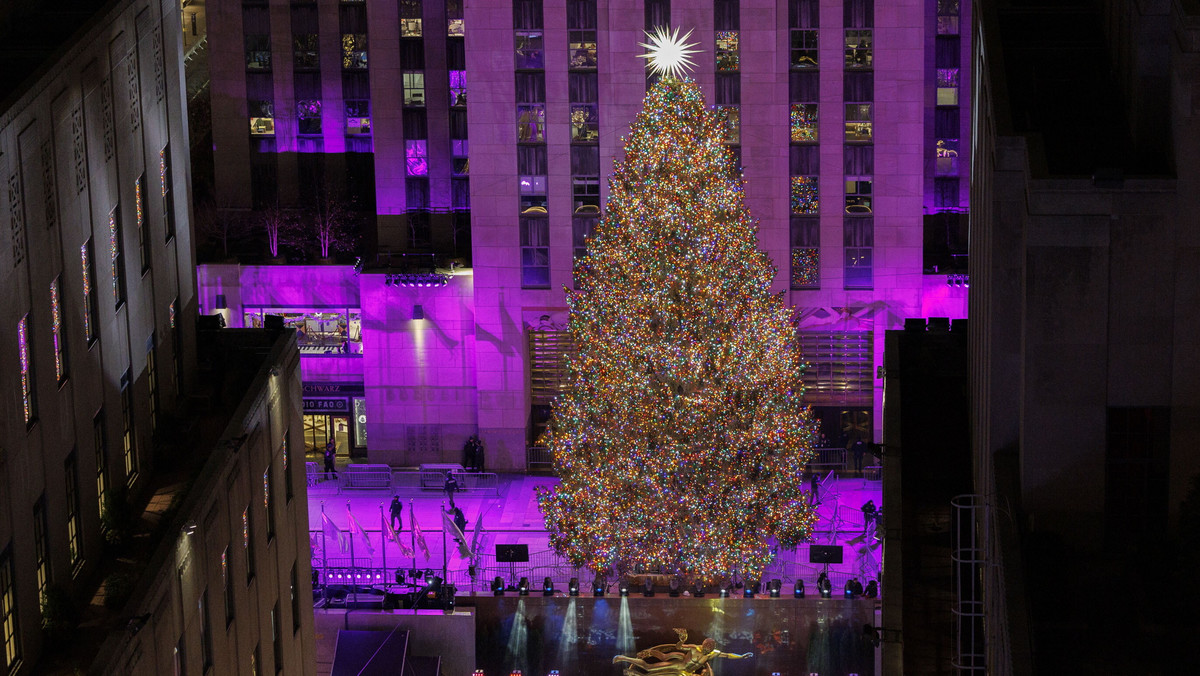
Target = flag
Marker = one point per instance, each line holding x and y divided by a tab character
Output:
417	532
475	537
395	537
451	530
357	529
332	530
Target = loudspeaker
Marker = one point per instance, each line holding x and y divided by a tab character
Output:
512	553
824	553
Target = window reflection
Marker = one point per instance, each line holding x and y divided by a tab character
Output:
318	331
531	123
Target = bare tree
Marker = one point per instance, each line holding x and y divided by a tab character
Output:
221	225
331	224
280	226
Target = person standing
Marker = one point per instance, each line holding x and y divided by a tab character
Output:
469	453
478	453
460	520
451	487
397	511
330	456
859	448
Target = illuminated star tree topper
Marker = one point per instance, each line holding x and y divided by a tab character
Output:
680	436
670	55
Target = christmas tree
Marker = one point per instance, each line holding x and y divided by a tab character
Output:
680	436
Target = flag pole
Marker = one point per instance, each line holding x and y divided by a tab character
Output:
324	548
353	567
412	519
383	541
445	536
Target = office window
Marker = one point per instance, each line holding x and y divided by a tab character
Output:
458	88
657	13
859	93
305	51
460	194
41	553
805	252
354	51
28	396
732	117
858	195
535	252
56	331
946	157
804	92
454	19
858	48
116	248
726	15
8	613
416	158
804	160
100	444
294	596
268	478
531	179
229	607
582	227
727	51
74	522
206	647
143	230
414	88
256	27
358	117
410	18
276	638
858	241
804	48
283	452
460	163
804	195
585	113
530	55
262	117
248	544
581	46
89	298
168	193
947	17
947	86
945	193
859	13
308	116
129	444
416	194
531	88
152	379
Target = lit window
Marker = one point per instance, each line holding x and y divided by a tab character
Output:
582	49
858	242
458	88
858	122
168	195
127	441
8	613
410	18
258	52
531	123
358	116
354	51
804	48
804	122
946	157
947	86
262	118
414	88
585	123
71	492
858	195
308	114
586	192
727	50
804	195
304	52
529	51
732	116
460	163
60	344
114	249
415	154
27	394
143	231
858	48
535	252
806	252
947	17
454	18
89	298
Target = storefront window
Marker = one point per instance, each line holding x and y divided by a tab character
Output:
360	422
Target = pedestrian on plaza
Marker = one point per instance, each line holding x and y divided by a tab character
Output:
478	453
859	448
397	510
451	487
459	519
469	453
869	513
813	483
330	455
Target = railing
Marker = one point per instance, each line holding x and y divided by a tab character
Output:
406	482
538	457
366	476
828	460
873	473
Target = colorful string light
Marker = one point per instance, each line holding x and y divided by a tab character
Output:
26	379
804	195
680	436
805	267
60	367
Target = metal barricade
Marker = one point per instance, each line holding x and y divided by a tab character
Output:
366	476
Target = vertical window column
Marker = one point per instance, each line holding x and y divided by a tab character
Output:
100	444
804	225
260	95
531	139
657	15
24	354
168	194
306	65
858	224
356	87
726	21
41	550
128	442
8	613
57	333
115	250
90	310
74	520
803	20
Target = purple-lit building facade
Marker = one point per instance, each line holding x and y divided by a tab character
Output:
846	118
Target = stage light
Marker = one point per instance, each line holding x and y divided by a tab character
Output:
598	585
573	586
523	587
750	590
547	587
798	589
849	589
724	590
648	588
774	588
698	590
674	588
872	589
624	587
824	586
498	586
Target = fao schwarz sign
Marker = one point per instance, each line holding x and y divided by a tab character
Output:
325	406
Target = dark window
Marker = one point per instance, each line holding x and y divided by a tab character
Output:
581	14
859	13
726	15
128	439
658	13
8	613
535	252
74	519
858	242
1136	474
527	14
805	160
803	13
